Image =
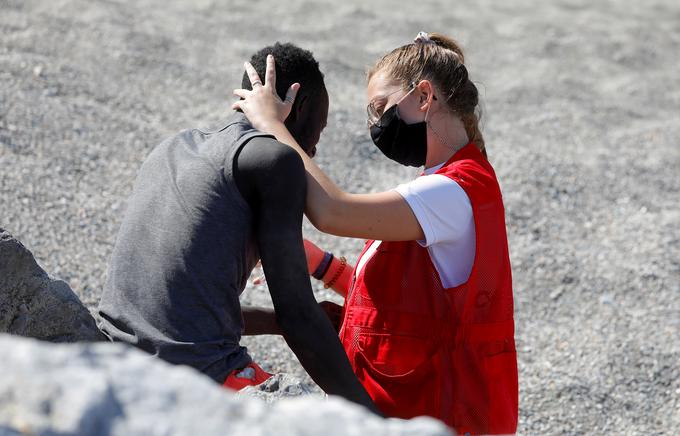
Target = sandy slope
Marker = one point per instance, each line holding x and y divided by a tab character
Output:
582	126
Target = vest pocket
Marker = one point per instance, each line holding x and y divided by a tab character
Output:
500	371
400	373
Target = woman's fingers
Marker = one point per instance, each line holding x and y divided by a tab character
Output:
292	93
252	75
243	93
262	105
270	73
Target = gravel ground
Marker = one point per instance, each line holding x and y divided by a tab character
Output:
579	99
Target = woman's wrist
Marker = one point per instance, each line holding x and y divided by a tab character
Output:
282	134
323	266
337	274
274	127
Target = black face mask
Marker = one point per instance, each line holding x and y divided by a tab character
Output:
403	143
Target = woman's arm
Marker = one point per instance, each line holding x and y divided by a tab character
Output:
335	273
385	216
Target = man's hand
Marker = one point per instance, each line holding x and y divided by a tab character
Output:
262	106
333	312
259	321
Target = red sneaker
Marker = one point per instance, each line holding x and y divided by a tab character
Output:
251	375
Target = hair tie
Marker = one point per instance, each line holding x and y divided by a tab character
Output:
423	38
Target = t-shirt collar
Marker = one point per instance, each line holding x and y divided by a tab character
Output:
433	169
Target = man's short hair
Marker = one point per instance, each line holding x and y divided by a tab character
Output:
293	64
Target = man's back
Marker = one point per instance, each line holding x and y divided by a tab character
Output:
184	252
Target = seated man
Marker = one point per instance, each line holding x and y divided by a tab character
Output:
205	207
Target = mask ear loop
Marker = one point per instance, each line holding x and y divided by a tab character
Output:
427	112
411	88
429	124
434	97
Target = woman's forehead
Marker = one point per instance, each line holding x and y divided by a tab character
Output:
381	85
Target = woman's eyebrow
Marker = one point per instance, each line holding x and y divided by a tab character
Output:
385	95
379	98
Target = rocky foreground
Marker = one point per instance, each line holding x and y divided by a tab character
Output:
111	389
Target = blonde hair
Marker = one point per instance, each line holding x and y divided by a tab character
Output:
440	60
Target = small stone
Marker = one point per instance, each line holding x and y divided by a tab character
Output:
606	299
557	293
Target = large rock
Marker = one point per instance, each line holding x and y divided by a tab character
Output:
35	305
112	389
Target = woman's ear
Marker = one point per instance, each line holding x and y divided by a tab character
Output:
425	94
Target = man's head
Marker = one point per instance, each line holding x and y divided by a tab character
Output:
310	111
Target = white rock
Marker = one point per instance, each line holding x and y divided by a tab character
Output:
112	389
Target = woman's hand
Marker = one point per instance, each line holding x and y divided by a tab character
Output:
262	106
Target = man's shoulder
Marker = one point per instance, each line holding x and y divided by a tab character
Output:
271	168
269	147
265	153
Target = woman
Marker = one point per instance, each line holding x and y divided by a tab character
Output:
428	316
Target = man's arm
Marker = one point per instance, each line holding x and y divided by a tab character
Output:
262	320
271	177
259	321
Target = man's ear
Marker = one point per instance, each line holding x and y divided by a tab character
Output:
300	106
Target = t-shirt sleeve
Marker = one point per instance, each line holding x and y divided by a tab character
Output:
440	205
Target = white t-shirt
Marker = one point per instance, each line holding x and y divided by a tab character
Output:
444	212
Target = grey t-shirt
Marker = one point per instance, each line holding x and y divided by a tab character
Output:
183	255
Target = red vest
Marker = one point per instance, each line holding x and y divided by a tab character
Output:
422	349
